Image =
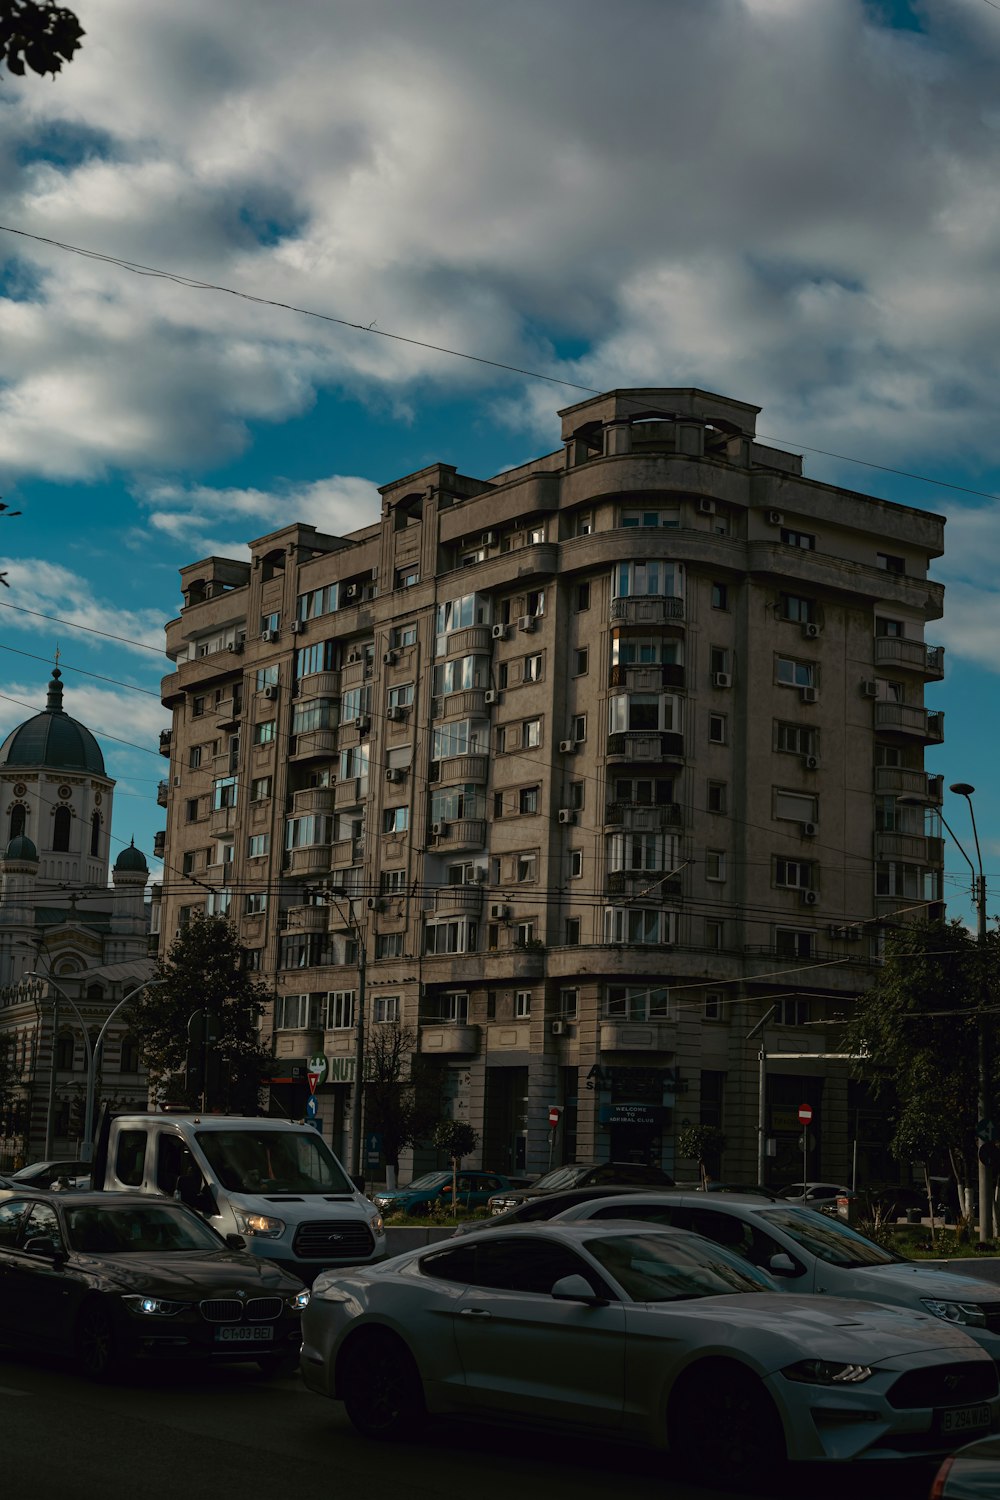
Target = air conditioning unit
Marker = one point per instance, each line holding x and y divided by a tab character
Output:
499	912
269	635
394	774
809	694
774	518
352	657
526	623
375	903
567	815
389	659
236	647
567	747
481	874
723	679
491	696
706	507
362	722
177	781
271	691
811	762
809	898
811	631
351	591
810	830
870	689
439	830
499	632
393	713
488	539
557	1028
297	626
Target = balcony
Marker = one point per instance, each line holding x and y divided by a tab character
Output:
464	642
222	820
897	779
159	843
646	609
650	679
166	740
162	794
313	799
448	1038
307	918
314	744
458	900
925	850
913	656
639	819
319	685
637	1036
470	769
227	713
913	723
467	703
463	833
646	745
354	673
344	852
651	885
313	860
350	791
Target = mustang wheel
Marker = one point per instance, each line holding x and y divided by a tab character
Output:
723	1425
381	1386
97	1351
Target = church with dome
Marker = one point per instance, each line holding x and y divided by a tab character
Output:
73	937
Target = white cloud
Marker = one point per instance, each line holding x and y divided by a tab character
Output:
37	587
335	505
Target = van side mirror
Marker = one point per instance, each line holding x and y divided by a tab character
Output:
783	1265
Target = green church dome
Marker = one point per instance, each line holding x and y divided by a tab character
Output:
21	848
53	740
132	860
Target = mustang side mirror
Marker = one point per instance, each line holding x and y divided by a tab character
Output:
577	1288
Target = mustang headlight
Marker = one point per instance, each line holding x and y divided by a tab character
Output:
827	1372
153	1307
300	1301
259	1224
970	1314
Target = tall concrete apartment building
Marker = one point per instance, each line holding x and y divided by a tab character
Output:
597	763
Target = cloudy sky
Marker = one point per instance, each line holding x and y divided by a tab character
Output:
793	202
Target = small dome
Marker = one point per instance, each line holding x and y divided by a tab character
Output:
53	740
132	861
21	848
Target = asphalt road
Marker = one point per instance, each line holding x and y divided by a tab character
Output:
226	1432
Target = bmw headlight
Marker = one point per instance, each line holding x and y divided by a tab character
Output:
153	1307
300	1301
827	1372
969	1314
260	1225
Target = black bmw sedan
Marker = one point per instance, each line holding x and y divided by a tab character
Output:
108	1278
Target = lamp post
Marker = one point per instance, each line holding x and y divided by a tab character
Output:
50	1112
762	1095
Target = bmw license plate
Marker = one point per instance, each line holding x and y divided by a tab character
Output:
239	1334
965	1418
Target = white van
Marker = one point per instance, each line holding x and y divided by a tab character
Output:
276	1184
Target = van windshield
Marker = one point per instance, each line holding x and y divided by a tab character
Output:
273	1161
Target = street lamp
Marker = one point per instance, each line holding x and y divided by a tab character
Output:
93	1051
983	1089
761	1095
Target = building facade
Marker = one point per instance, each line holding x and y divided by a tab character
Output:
594	766
72	943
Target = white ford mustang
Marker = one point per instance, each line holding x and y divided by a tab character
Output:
646	1333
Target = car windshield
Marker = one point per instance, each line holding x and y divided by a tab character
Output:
132	1230
428	1180
272	1161
562	1177
674	1267
828	1239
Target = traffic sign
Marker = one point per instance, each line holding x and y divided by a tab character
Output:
805	1114
554	1115
315	1070
311	1107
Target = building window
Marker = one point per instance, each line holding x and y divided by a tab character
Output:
532	671
255	903
794	874
402	696
581	659
525	868
575	864
458	936
569	1003
889	563
803	539
792	1011
392	882
95	835
572	934
65	1049
579	727
128	1057
263	734
224	793
582	597
718	660
797	608
576	795
340	1010
536	536
524	934
716	796
61	825
451	1007
191	810
403	635
522	1004
531	734
792	673
389	945
198	706
715	864
194	757
717	729
715	935
258	844
260	789
636	1003
665	516
395	819
266	677
720	596
18	819
527	799
584	523
639	925
407	578
796	739
796	807
884	627
386	1009
713	1010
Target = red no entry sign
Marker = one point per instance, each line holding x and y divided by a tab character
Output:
554	1113
805	1114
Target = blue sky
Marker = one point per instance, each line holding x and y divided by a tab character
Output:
793	202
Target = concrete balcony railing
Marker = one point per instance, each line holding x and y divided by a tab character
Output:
913	783
919	847
313	799
463	833
915	656
159	843
319	685
166	741
313	860
458	900
350	791
222	820
468	702
354	673
650	679
448	1038
470	769
162	794
344	852
465	642
905	719
648	884
645	745
646	609
638	1036
642	819
314	744
307	918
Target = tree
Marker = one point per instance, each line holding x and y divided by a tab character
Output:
918	1028
458	1138
701	1143
399	1105
37	34
203	975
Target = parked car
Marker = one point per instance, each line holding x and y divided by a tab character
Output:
809	1252
546	1206
45	1174
584	1174
435	1188
973	1473
112	1277
641	1333
812	1193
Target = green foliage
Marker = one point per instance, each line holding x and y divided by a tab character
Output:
400	1103
37	34
203	971
918	1028
698	1142
456	1137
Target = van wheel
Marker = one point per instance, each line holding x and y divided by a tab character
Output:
96	1342
381	1385
724	1427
